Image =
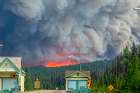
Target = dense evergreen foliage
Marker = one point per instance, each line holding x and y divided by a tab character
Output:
123	74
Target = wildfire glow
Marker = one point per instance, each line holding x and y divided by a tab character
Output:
67	62
56	60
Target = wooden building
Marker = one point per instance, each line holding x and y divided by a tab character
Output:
76	80
11	74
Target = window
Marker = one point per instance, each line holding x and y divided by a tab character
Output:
77	84
82	84
72	84
9	83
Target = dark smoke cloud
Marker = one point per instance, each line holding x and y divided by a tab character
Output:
97	29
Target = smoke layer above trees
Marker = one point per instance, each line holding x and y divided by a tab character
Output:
79	29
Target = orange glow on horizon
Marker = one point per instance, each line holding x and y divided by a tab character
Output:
61	63
56	60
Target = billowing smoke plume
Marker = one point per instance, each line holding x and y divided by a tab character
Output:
83	29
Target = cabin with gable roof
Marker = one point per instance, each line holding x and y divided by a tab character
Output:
77	80
11	74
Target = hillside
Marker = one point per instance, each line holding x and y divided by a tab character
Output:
52	78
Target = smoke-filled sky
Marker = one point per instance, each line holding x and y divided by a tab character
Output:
80	29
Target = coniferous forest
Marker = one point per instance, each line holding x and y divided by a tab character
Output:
122	74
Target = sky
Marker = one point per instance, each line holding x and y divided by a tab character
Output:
82	30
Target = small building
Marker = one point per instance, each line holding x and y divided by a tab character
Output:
11	74
37	84
77	80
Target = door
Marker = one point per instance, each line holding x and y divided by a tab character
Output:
9	83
